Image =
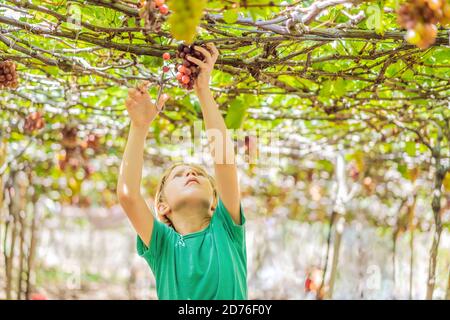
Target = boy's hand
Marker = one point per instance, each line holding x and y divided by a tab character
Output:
140	108
206	67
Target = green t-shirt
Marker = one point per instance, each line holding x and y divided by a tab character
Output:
204	265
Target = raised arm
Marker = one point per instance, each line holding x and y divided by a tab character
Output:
223	149
142	112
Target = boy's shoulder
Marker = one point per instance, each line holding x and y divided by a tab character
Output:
161	233
223	214
222	221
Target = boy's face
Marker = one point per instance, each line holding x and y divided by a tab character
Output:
187	186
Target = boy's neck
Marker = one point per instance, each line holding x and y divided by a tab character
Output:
190	219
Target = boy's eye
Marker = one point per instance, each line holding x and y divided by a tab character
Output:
178	174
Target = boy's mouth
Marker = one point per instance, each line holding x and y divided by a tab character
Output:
191	180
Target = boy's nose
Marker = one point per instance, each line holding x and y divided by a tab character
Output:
191	172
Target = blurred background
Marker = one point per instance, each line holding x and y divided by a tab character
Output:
373	242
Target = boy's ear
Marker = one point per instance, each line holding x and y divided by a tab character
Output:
163	211
163	208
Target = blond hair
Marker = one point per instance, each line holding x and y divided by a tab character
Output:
159	196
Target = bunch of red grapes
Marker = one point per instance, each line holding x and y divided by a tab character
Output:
34	121
8	75
74	151
187	71
93	141
69	137
420	17
153	13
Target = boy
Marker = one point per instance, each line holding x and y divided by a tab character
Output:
198	250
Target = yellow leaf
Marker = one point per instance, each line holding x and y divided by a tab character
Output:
185	18
446	182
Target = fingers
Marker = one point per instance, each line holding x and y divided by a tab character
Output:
130	102
134	93
131	92
162	100
213	48
145	83
135	96
140	89
205	53
143	86
198	62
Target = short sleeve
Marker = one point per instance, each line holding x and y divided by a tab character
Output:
236	231
159	238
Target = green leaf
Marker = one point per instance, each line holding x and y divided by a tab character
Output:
174	115
54	71
185	18
157	131
339	87
132	22
236	114
402	169
394	68
230	16
326	165
326	89
410	148
152	62
197	107
336	88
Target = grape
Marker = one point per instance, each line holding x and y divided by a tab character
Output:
153	13
188	71
412	37
434	4
8	74
430	33
164	9
33	121
446	9
446	14
93	141
420	17
185	79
